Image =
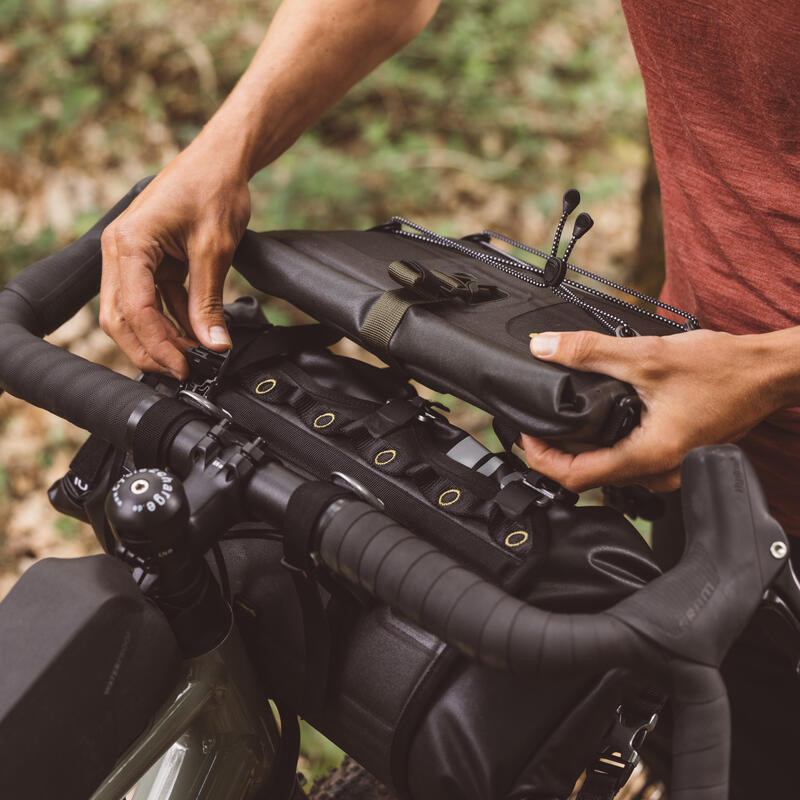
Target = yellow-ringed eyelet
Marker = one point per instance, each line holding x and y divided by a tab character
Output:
323	420
449	496
516	538
266	386
385	457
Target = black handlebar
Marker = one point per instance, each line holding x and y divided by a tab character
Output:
678	627
34	303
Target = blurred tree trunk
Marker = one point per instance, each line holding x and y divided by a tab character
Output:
647	270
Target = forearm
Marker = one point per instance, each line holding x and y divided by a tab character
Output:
313	52
780	356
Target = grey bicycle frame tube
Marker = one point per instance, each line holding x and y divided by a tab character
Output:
214	739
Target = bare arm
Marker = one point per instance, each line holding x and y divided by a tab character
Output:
191	217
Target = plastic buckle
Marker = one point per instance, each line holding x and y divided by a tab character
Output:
202	403
467	288
427	413
206	368
619	755
549	491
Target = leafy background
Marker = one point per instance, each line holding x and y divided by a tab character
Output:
483	121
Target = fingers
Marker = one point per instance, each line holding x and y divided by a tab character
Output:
176	299
130	307
626	462
207	272
141	308
633	359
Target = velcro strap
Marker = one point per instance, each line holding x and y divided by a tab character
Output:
305	506
507	432
392	415
157	428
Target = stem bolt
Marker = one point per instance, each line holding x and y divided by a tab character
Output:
140	486
778	549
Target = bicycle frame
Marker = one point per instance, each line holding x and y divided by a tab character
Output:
215	738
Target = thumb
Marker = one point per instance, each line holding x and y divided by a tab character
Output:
584	350
206	279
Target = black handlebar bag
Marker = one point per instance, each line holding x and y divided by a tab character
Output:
457	314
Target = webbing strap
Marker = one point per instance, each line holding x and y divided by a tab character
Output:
420	286
599	786
387	314
305	506
281	783
157	428
279	341
89	461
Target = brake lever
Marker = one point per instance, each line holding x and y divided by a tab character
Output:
781	601
786	588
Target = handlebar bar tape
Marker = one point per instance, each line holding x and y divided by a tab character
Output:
700	768
90	396
678	626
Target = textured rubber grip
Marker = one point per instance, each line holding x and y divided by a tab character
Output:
38	300
57	286
700	763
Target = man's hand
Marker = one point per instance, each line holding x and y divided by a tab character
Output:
188	220
191	217
697	388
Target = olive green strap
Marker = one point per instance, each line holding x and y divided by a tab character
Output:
390	308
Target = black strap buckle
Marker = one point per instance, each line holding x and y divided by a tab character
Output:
550	491
619	754
432	283
206	369
467	288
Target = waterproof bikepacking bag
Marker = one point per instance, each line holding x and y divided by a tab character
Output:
416	713
98	660
457	314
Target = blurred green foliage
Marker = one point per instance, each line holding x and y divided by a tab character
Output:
525	97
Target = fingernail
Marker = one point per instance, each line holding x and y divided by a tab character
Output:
219	335
544	344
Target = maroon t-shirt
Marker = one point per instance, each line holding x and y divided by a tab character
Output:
723	95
